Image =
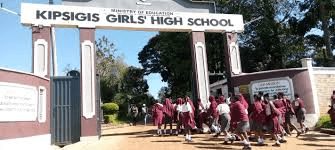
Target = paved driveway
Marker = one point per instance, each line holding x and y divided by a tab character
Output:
140	138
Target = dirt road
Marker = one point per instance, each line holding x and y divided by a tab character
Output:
141	138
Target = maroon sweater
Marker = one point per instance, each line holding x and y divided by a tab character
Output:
258	114
238	112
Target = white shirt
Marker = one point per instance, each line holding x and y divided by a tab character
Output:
187	108
223	109
179	108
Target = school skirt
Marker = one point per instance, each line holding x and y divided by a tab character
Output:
243	126
225	122
187	121
257	126
158	120
301	115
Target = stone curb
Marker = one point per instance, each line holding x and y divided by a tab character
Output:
111	126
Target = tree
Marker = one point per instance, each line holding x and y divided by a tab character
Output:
319	14
110	68
271	43
133	81
170	55
164	92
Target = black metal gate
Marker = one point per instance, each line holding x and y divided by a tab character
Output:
66	110
97	106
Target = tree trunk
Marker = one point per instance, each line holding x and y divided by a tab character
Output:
326	35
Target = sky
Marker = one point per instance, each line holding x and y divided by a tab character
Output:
16	44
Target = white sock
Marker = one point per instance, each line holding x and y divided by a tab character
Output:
164	131
189	137
245	142
158	131
259	140
283	138
279	138
170	131
186	137
277	142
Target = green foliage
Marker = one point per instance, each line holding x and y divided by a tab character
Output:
324	122
134	82
111	118
170	55
164	92
110	108
318	14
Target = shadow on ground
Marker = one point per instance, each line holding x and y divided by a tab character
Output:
131	133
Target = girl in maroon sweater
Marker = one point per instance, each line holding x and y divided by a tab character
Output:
288	115
213	113
188	118
202	113
258	117
240	116
300	112
157	114
168	111
275	126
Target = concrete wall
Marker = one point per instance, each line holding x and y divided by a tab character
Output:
27	133
325	84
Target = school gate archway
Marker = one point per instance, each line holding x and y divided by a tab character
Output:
194	18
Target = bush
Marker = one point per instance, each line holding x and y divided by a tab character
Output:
324	122
110	118
110	108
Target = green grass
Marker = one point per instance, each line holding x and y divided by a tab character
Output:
324	122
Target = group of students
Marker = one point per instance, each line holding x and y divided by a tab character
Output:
182	112
233	117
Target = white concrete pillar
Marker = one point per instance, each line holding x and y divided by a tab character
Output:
200	68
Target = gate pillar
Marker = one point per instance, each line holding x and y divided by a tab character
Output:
89	122
199	66
41	51
232	59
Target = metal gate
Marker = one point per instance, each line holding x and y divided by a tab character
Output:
66	110
97	106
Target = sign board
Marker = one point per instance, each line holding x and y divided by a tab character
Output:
128	19
17	102
273	86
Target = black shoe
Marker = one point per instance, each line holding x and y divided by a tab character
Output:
225	142
298	134
276	145
282	141
306	130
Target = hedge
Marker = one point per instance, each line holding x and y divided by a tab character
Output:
324	122
110	108
110	118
